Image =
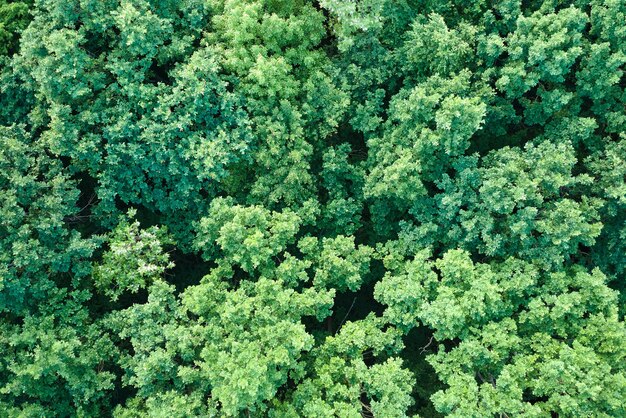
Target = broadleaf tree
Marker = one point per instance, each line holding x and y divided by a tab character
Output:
295	208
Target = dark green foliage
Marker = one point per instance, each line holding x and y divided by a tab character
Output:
39	250
14	17
288	208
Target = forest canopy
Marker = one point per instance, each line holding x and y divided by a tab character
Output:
293	208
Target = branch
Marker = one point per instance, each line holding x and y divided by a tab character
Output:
423	349
346	317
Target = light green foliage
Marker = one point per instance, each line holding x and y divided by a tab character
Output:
340	376
257	339
269	47
253	333
57	362
295	208
401	291
434	49
148	327
522	334
168	404
428	126
135	258
250	237
543	48
517	203
352	16
339	264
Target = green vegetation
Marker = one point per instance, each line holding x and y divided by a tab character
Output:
293	208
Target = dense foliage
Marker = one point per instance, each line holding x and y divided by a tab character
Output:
293	208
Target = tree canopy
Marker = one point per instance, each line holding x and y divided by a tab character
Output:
293	208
